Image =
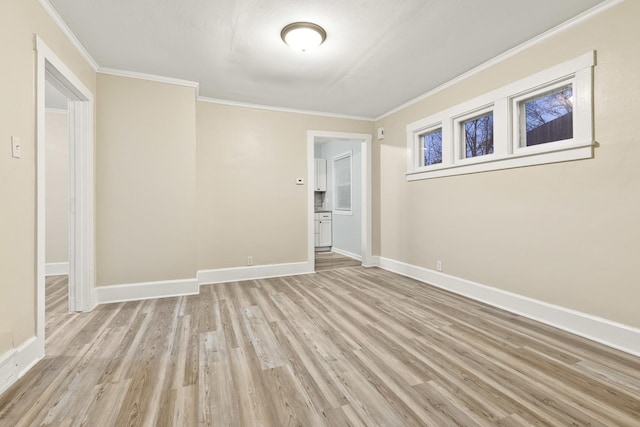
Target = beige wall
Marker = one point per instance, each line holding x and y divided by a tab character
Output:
566	233
248	203
19	21
57	185
145	181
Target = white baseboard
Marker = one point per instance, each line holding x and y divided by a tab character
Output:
607	332
56	268
373	261
253	272
18	361
346	253
146	290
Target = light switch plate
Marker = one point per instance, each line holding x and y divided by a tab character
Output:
16	147
380	133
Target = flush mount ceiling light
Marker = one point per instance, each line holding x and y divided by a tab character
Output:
303	36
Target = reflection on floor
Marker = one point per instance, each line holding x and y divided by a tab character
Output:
332	260
56	303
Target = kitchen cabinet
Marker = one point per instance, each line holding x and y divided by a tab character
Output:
322	230
320	183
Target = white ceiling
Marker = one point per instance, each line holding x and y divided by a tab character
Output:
378	53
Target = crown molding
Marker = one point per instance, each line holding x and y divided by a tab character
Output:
149	77
67	32
607	4
281	109
578	19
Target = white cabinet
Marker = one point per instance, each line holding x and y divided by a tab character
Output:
320	183
322	229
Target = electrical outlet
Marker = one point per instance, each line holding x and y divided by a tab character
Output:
249	260
439	265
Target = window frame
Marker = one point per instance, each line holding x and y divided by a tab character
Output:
334	159
419	145
516	125
503	102
459	135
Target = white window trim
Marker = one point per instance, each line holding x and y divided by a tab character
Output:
516	126
347	154
459	143
507	154
421	134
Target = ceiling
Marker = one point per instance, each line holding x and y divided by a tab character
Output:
378	54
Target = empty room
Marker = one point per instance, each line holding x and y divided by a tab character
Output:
319	213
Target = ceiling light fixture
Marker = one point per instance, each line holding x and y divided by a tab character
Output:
303	36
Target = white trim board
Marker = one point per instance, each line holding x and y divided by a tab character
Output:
346	253
254	272
607	332
146	290
149	77
280	109
53	14
174	288
17	362
56	268
81	178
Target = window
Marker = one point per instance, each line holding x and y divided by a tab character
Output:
478	135
432	147
543	118
342	183
546	117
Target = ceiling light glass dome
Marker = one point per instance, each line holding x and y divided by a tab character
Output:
303	36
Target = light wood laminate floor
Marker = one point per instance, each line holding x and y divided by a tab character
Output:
350	346
332	260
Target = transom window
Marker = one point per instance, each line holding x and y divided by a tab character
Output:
432	147
478	135
544	118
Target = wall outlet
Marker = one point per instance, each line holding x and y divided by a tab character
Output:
439	265
249	260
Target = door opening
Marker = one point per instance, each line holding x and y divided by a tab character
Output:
57	185
51	70
350	223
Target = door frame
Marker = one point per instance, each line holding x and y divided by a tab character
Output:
366	224
81	184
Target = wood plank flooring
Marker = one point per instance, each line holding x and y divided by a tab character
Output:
331	261
343	347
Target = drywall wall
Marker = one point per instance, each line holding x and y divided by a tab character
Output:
346	229
57	186
248	200
145	181
566	233
19	21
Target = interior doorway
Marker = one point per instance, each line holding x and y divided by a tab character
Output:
52	71
57	185
56	182
336	147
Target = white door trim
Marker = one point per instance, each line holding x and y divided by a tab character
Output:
366	190
81	191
